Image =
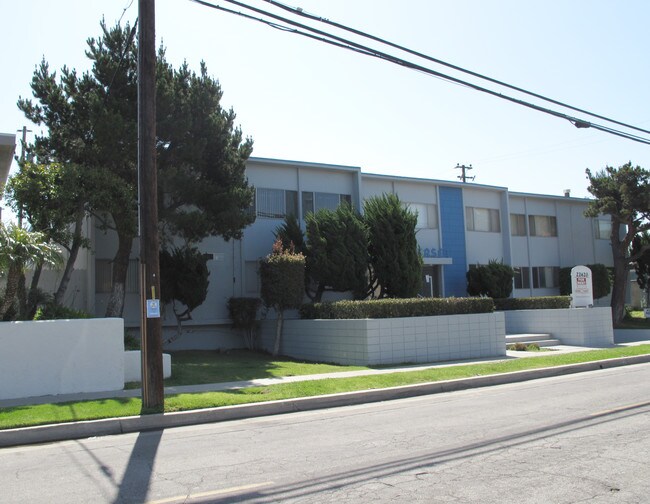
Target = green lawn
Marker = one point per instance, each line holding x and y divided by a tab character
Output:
89	410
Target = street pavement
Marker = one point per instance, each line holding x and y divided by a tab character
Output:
583	437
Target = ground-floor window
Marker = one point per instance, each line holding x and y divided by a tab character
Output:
252	278
430	281
104	276
544	277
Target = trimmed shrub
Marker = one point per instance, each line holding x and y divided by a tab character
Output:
601	280
283	284
532	303
392	308
493	280
243	312
53	311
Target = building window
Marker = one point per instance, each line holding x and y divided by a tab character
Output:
482	219
517	224
276	203
252	277
546	277
603	229
315	201
104	276
522	278
542	225
427	215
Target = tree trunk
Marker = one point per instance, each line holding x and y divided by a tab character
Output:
21	296
13	280
115	306
72	258
619	289
32	295
278	332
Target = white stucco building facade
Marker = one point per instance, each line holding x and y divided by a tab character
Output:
459	225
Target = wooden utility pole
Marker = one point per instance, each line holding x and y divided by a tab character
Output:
153	394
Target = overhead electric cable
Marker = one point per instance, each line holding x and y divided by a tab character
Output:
302	13
347	44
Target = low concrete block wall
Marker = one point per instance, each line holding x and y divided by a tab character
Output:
591	327
631	335
133	366
52	357
391	341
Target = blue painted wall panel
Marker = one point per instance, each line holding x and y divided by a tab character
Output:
452	226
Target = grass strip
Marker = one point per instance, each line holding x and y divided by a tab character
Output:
22	416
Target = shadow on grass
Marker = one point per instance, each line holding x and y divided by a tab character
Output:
194	367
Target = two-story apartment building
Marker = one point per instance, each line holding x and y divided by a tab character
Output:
459	225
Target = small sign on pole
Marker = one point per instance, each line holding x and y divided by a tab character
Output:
153	305
582	293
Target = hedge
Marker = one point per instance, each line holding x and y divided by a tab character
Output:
533	303
601	280
391	308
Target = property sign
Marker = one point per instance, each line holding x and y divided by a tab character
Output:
582	292
153	308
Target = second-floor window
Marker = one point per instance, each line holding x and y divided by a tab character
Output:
315	201
542	225
517	224
482	219
276	203
427	215
603	229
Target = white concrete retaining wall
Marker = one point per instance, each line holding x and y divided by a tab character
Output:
590	327
133	366
630	335
52	357
391	341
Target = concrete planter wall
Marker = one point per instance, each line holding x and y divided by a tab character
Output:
391	341
591	327
52	357
133	366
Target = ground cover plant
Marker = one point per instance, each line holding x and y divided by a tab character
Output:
107	408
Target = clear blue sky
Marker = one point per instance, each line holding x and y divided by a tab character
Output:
303	100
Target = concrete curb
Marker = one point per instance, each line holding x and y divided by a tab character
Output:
112	426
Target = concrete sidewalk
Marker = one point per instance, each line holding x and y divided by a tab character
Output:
113	426
262	382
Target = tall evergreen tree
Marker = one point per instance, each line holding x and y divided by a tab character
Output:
92	123
624	194
337	251
394	254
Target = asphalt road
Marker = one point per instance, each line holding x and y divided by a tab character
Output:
576	438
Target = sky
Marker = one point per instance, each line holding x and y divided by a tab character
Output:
303	100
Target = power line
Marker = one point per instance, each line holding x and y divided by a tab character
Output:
302	13
331	39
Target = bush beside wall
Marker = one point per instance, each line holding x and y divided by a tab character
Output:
392	308
532	303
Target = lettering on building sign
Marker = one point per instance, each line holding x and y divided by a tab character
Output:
435	252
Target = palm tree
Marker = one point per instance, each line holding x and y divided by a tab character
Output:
20	249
